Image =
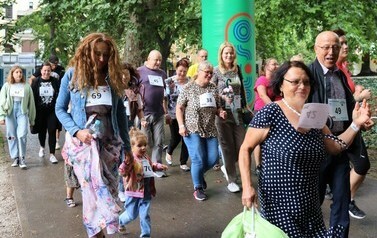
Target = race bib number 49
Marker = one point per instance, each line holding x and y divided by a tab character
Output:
338	109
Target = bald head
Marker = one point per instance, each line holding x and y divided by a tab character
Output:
202	55
327	48
154	59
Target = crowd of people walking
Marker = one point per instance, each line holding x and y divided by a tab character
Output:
114	117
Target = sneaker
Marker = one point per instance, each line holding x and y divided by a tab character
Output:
121	196
15	162
122	229
354	211
328	194
199	194
233	187
216	167
41	152
204	184
53	159
168	159
223	169
184	167
160	174
57	146
22	163
70	202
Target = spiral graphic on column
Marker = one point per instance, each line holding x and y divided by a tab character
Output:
242	31
239	29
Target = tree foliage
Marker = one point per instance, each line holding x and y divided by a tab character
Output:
154	24
283	28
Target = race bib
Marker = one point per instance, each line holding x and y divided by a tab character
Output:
338	109
155	80
207	100
147	169
17	90
236	102
46	90
127	107
99	96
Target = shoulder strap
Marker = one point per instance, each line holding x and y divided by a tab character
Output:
243	91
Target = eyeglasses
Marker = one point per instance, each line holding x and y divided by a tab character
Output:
296	83
327	47
207	72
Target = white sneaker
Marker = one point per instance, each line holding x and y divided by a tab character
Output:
41	152
223	169
53	159
57	146
168	159
121	196
184	167
233	187
160	174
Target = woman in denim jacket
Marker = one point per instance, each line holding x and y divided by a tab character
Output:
96	128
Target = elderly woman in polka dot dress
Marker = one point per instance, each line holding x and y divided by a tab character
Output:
291	156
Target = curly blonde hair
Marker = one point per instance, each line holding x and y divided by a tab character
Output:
137	136
10	78
220	58
86	72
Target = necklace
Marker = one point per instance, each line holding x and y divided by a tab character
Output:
291	108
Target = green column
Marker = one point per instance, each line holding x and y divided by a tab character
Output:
233	21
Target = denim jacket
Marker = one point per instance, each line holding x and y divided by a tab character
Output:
76	119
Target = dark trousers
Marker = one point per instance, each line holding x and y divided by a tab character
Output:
175	138
335	171
48	123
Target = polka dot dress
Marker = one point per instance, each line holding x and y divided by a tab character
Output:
289	178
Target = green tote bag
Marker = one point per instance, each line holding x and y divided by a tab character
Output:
249	224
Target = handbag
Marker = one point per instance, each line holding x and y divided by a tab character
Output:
250	224
247	116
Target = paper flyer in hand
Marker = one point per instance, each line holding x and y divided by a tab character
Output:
314	115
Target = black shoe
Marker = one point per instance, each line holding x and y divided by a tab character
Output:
354	211
199	194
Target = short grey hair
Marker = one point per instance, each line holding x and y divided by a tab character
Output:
205	65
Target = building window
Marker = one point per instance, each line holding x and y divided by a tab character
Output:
9	11
31	5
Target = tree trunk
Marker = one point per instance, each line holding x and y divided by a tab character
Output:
133	46
365	67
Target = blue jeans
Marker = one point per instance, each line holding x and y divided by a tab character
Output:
134	207
17	128
156	133
204	155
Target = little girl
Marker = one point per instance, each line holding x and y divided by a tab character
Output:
16	109
138	181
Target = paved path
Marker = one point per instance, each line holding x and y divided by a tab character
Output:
40	193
